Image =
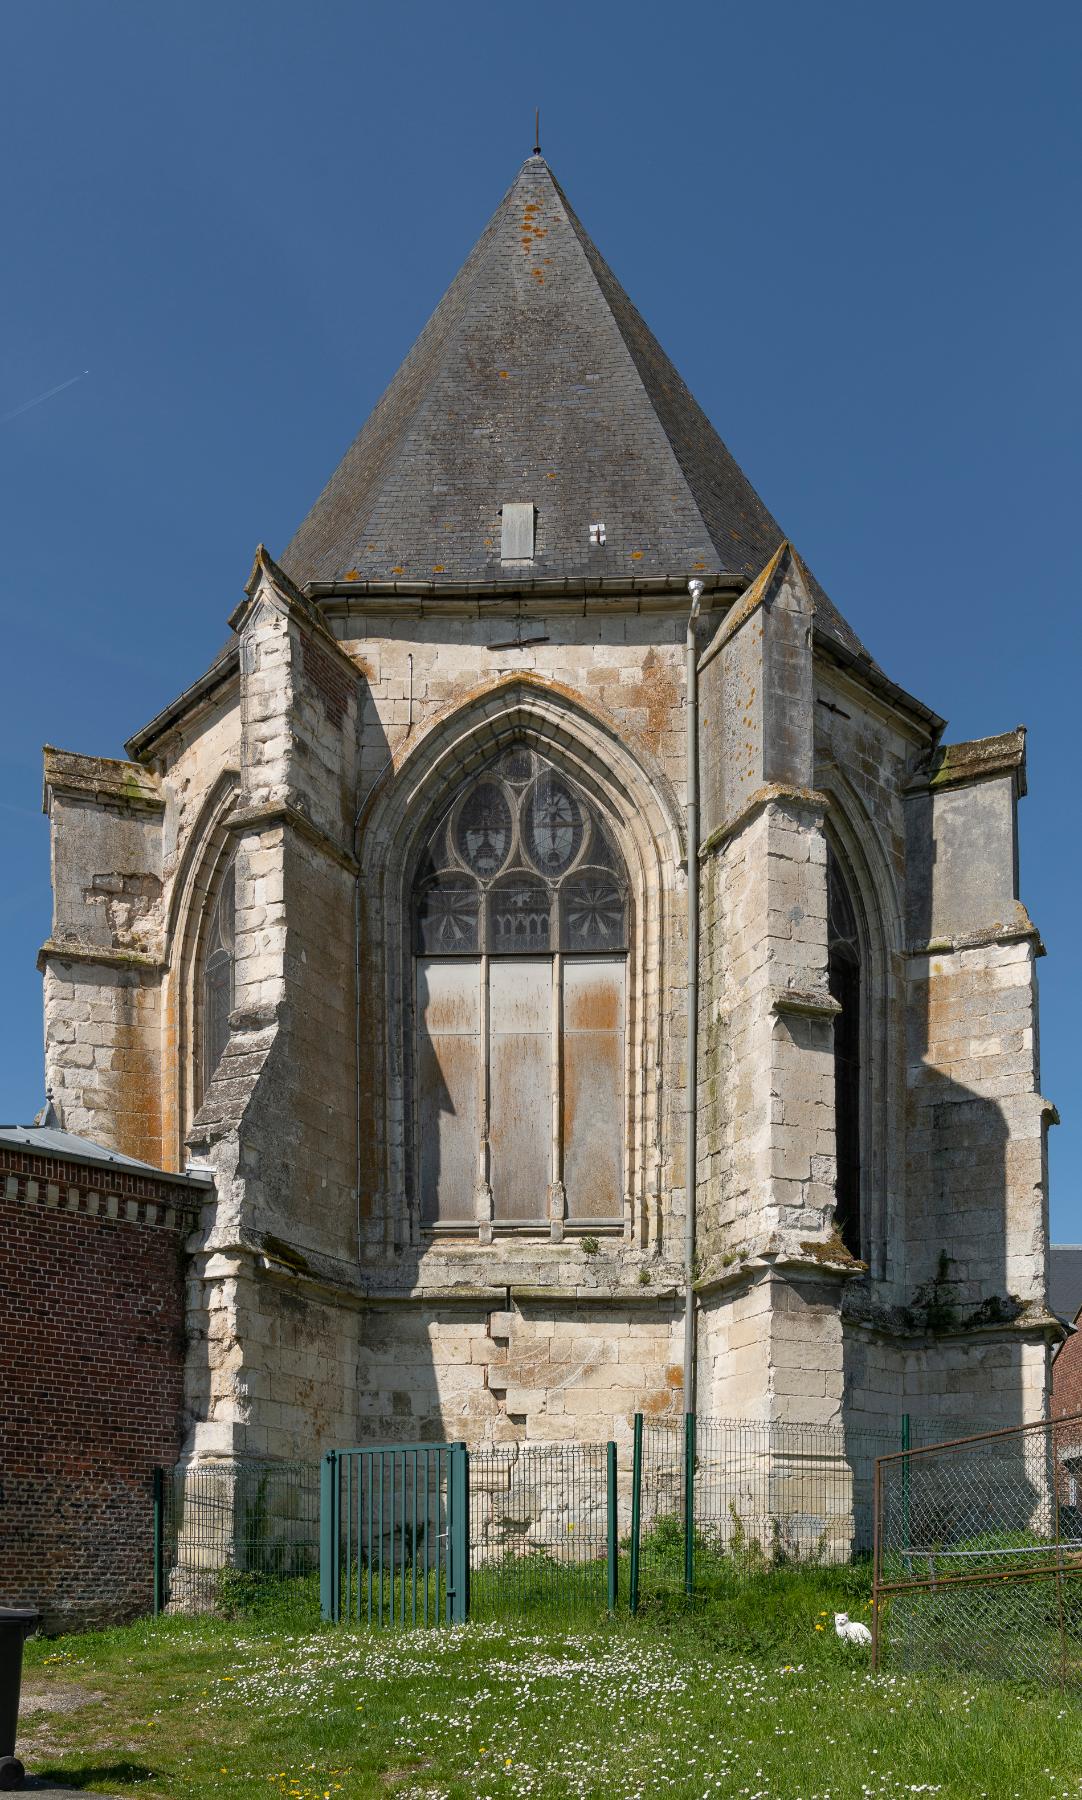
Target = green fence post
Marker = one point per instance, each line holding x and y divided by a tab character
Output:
689	1502
614	1567
636	1512
906	1444
328	1536
159	1533
458	1535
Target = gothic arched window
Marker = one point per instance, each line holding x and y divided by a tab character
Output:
520	923
844	978
217	995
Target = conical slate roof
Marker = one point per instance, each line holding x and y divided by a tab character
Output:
536	381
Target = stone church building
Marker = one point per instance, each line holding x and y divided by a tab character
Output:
537	745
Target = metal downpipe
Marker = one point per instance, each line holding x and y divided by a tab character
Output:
695	589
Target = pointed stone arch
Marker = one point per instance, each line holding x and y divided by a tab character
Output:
639	807
208	850
873	890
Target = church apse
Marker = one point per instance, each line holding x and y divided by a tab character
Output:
386	923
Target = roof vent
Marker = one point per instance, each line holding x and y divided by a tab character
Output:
516	543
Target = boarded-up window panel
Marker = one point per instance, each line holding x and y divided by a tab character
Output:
520	1090
593	1086
449	1086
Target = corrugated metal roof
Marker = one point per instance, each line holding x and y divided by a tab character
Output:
536	380
1065	1280
46	1140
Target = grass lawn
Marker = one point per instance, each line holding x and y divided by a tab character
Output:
741	1696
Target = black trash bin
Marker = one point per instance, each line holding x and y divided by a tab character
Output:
16	1623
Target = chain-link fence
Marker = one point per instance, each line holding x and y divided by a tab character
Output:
703	1497
748	1496
978	1555
238	1536
542	1529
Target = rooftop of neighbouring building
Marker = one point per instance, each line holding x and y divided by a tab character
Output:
65	1146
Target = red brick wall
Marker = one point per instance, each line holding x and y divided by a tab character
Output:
1067	1377
91	1382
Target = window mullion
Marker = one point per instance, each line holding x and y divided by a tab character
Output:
483	1194
557	1195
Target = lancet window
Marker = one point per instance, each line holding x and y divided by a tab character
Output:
844	976
520	935
218	960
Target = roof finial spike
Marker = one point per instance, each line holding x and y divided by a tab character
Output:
537	131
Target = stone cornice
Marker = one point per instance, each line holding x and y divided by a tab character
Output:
290	818
99	1190
436	597
772	793
814	1003
350	1286
810	1262
995	935
979	759
1029	1330
100	780
56	950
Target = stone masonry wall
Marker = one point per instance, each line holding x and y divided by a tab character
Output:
91	1381
102	962
102	1053
976	1130
280	1366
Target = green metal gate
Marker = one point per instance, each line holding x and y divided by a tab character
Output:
394	1535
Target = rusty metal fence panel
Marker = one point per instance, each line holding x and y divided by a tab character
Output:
978	1555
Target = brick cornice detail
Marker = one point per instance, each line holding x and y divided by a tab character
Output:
126	1196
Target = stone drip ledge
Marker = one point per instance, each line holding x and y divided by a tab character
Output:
1030	1320
100	780
469	1284
1021	930
808	1260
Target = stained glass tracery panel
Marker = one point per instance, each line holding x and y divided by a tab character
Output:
593	912
483	830
519	915
521	864
449	916
520	1047
553	825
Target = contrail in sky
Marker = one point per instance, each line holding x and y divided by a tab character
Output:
40	399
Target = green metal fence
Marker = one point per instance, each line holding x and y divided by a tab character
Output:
543	1529
238	1535
422	1534
394	1530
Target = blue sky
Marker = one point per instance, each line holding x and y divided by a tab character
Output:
853	227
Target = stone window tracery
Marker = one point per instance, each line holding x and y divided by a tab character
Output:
520	937
844	978
217	982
